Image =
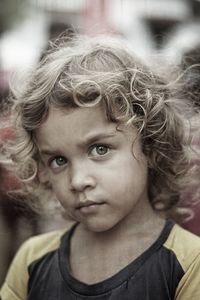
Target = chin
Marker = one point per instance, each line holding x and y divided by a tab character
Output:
99	227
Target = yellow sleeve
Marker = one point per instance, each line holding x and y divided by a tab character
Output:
186	247
189	286
15	285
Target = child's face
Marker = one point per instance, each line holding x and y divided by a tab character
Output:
99	173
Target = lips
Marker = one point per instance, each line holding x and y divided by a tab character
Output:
86	204
89	206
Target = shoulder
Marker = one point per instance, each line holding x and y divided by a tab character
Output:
186	247
37	246
15	286
184	244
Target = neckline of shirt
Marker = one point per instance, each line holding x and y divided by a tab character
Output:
114	281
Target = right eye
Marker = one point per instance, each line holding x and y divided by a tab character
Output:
57	162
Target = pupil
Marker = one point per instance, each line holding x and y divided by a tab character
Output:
60	161
101	150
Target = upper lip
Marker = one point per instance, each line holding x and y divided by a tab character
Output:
87	203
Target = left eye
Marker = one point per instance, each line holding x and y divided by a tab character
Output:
100	150
57	162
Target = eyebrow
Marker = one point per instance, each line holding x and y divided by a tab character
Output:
99	136
88	140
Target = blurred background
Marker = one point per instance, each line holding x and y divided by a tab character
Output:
170	27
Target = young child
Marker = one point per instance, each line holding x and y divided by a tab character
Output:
110	139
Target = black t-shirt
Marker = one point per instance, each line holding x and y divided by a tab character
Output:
169	269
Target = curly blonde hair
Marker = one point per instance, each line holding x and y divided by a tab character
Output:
86	71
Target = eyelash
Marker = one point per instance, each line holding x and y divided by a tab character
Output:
52	160
93	147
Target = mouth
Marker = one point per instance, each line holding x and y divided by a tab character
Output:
89	206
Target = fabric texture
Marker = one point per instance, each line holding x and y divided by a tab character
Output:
168	269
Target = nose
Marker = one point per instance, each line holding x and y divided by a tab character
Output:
82	178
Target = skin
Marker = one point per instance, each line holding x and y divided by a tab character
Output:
99	174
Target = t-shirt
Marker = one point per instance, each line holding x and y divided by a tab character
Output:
168	269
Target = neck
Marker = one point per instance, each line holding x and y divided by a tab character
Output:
144	221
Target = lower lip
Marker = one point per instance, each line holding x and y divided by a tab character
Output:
90	208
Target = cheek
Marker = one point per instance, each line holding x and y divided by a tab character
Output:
60	188
127	168
43	176
128	176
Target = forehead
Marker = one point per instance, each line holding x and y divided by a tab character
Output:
75	123
78	126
